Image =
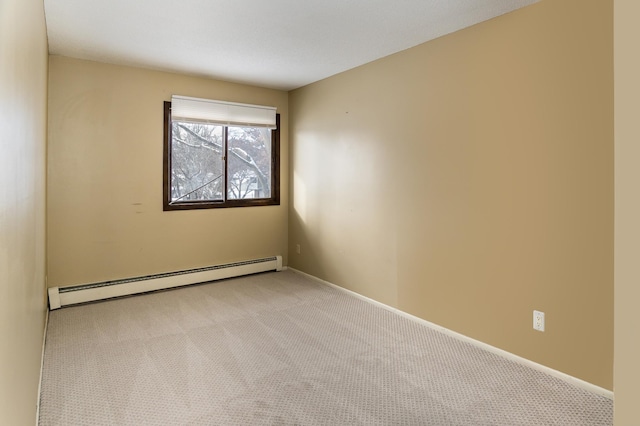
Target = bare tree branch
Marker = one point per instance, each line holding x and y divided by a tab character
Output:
186	143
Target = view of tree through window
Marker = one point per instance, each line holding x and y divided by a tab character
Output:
249	173
197	164
218	165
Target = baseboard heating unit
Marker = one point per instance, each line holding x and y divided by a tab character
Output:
71	295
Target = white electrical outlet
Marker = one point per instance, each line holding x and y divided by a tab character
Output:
298	248
538	320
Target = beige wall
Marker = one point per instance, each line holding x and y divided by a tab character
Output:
105	213
469	181
627	233
23	120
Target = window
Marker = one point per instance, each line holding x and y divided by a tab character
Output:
215	155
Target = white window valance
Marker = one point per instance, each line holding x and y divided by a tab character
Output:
184	108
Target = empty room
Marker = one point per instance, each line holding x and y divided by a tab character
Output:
283	212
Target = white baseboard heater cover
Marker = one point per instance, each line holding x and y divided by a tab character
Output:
71	295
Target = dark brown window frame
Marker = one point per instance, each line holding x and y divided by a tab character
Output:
190	205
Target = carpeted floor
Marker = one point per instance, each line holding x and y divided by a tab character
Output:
279	348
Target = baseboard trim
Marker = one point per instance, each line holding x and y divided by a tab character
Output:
590	387
44	339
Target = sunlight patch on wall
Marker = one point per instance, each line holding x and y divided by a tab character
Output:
299	197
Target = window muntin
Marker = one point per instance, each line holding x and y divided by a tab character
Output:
211	166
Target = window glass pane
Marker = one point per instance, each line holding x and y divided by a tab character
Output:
249	163
197	167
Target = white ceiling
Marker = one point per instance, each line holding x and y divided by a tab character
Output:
282	44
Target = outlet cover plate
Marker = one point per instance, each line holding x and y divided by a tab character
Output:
538	320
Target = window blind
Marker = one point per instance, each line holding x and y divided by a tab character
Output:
184	108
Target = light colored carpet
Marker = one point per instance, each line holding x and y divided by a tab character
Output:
279	348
